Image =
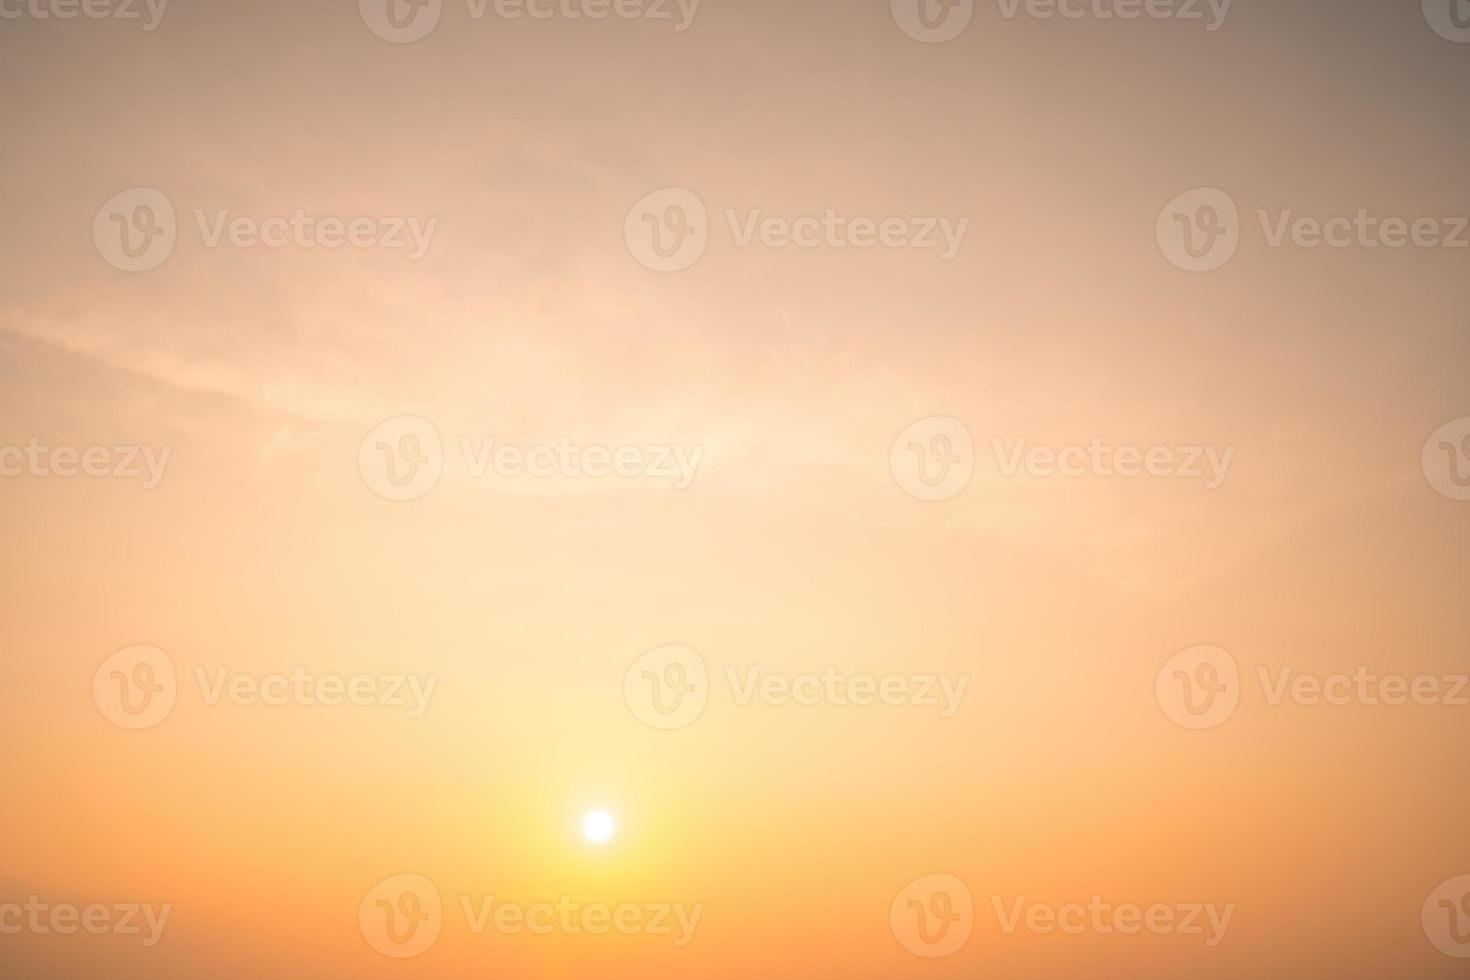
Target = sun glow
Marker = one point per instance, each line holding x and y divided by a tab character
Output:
598	826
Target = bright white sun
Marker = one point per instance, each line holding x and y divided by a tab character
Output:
598	826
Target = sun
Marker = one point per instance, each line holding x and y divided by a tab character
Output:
598	826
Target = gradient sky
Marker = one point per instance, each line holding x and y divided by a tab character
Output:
529	320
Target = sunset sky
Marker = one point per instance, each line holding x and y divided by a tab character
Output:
326	498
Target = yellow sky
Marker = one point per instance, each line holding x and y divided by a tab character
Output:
266	383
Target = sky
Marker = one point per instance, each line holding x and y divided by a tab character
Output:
939	476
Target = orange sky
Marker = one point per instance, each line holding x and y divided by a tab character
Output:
789	382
